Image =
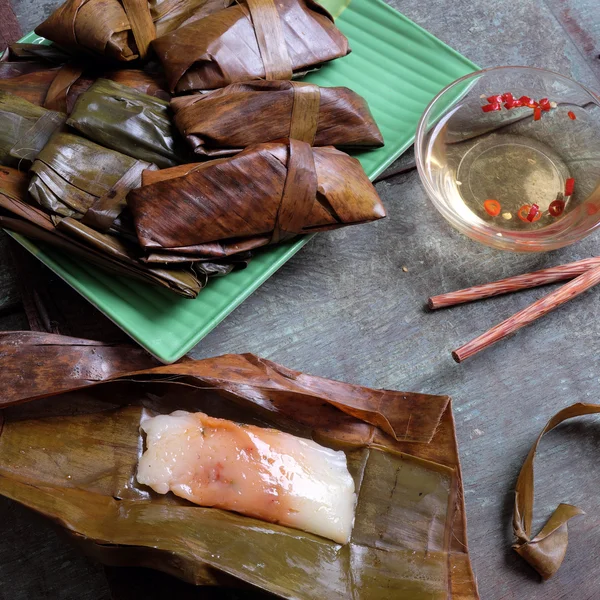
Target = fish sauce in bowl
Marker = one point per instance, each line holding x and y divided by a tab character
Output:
515	162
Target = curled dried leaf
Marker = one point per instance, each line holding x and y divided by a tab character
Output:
546	551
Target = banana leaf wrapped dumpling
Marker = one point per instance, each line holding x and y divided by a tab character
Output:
73	177
129	121
269	110
119	30
48	77
251	39
24	129
266	194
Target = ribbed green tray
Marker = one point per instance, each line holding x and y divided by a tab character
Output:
396	65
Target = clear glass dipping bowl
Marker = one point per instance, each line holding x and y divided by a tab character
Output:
466	156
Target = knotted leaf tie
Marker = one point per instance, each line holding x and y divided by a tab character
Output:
546	551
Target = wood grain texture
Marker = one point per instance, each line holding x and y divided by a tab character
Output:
9	295
345	308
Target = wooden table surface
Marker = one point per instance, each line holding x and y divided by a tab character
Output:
345	308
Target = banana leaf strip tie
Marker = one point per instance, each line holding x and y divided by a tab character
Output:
320	116
252	39
546	551
266	194
131	122
120	29
409	536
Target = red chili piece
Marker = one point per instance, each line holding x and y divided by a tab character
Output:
508	97
533	211
572	115
569	186
491	107
537	113
495	99
514	103
492	207
556	208
525	100
523	213
545	104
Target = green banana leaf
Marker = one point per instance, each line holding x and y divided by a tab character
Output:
73	458
24	129
73	177
119	117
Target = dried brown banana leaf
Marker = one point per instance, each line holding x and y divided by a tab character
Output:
24	129
169	15
111	254
409	538
73	80
119	30
73	177
271	110
58	88
250	39
546	551
29	80
121	118
48	77
266	194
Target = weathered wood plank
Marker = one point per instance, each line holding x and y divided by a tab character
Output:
54	306
9	294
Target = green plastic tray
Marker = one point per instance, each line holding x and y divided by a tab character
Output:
396	65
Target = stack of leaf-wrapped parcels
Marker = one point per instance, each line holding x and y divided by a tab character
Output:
91	446
100	164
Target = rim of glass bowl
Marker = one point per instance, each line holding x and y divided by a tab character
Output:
510	241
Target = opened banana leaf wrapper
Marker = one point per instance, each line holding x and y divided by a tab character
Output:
252	39
88	446
121	118
269	111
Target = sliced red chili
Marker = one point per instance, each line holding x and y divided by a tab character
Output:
492	207
514	103
556	208
525	100
569	186
533	212
491	107
508	97
495	99
537	113
525	210
572	115
545	104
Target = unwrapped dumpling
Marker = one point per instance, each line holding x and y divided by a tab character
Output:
261	473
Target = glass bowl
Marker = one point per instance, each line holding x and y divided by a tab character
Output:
511	157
